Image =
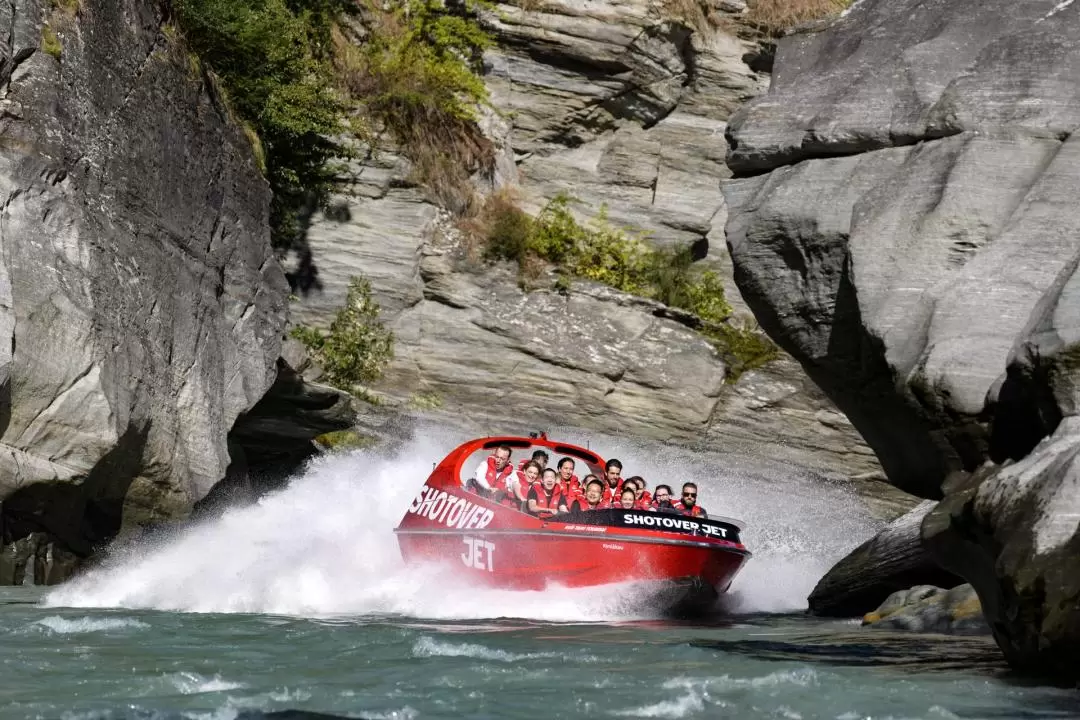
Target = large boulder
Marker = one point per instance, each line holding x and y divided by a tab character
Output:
930	609
1014	533
890	562
141	308
907	230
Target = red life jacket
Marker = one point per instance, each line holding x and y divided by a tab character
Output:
571	488
612	497
543	500
580	504
496	479
645	500
696	511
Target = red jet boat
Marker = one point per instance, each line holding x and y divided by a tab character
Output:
686	562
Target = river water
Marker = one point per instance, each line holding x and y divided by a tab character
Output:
299	604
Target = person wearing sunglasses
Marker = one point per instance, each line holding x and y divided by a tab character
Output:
688	504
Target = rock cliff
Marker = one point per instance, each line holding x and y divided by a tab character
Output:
141	308
907	233
906	229
622	106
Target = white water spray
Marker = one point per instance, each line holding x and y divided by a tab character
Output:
325	545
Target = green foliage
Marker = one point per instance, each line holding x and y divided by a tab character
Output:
273	58
417	76
344	440
50	43
426	400
357	347
742	346
623	260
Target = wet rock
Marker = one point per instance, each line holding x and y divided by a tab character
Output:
888	563
36	559
908	235
929	609
141	308
1014	533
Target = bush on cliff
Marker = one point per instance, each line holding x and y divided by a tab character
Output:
357	348
773	17
623	260
416	76
273	60
296	80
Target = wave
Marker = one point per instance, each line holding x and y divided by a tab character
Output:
56	625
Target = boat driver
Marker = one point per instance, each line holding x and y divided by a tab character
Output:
688	505
492	473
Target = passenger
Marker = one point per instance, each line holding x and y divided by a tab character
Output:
592	499
545	497
662	499
517	488
613	476
688	505
539	457
569	481
644	499
491	476
627	500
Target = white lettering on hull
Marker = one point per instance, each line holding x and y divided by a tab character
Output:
673	523
479	554
450	509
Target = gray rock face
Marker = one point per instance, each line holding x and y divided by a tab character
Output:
888	563
141	309
1014	533
929	609
621	107
908	234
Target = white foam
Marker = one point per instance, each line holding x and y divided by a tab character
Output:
68	626
189	683
405	713
680	707
429	647
325	546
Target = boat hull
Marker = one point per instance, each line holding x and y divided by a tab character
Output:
683	575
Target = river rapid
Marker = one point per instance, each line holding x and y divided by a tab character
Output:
299	604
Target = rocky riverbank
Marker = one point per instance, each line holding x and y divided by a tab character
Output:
903	228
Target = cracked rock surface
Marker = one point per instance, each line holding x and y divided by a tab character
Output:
619	106
910	234
908	230
141	309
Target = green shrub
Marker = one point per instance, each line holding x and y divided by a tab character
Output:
623	260
417	76
742	346
344	440
357	347
273	58
50	42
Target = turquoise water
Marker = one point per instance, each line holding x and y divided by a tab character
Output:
300	604
74	663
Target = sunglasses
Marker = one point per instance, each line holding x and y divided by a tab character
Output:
693	495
